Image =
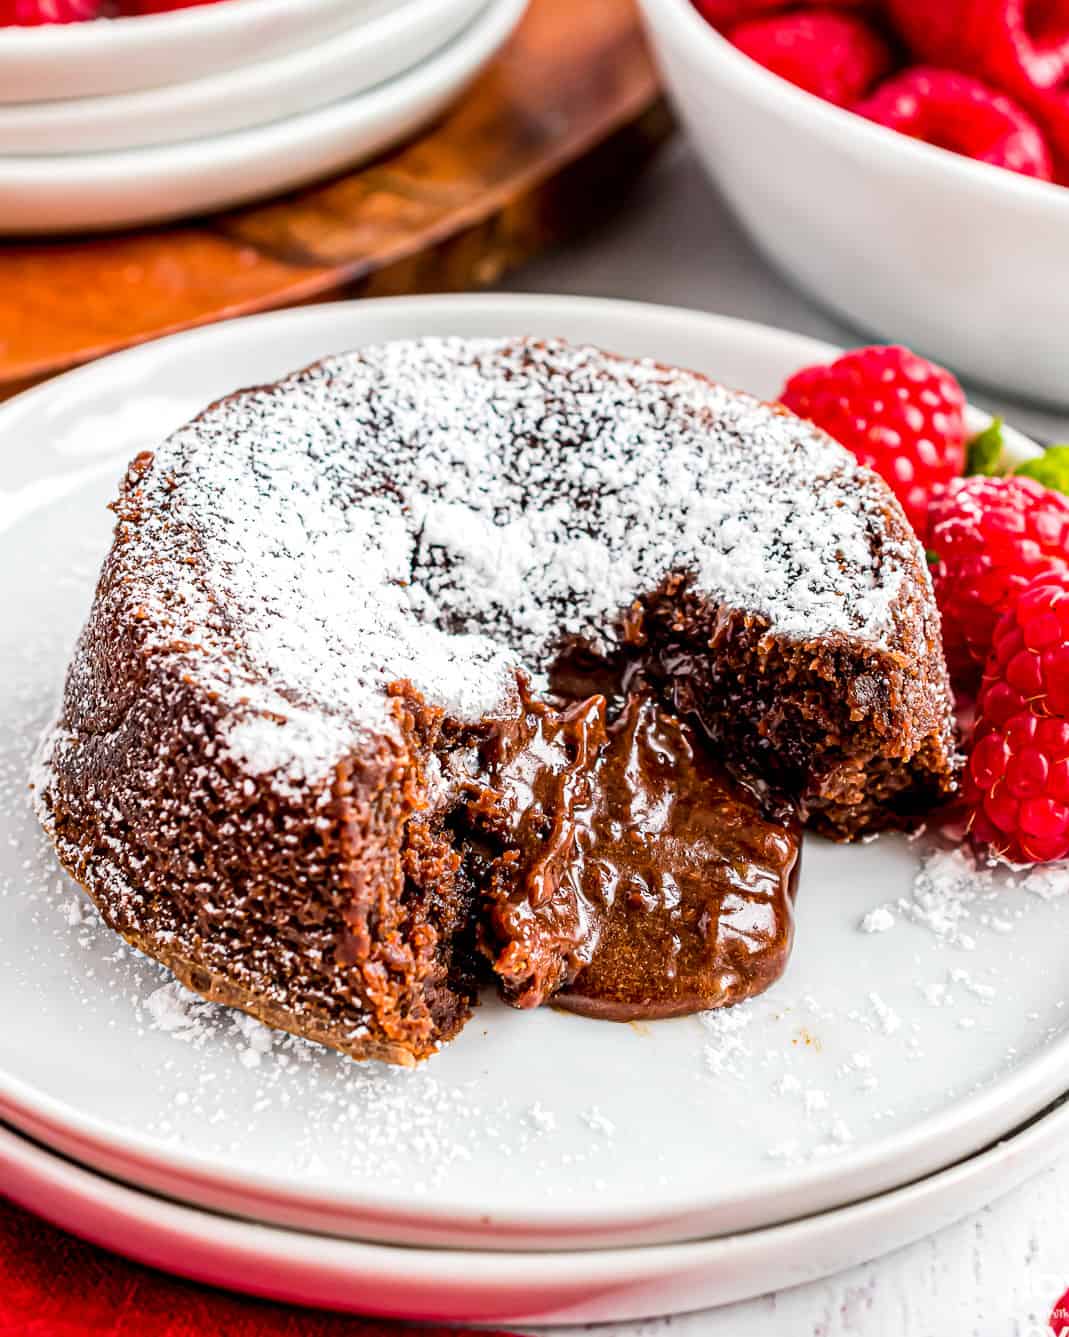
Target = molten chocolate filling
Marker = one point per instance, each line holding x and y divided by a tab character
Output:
625	873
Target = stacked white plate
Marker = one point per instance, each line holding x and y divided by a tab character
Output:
129	121
544	1167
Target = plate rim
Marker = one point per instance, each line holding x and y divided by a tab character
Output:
1040	1076
600	1274
381	32
38	48
441	68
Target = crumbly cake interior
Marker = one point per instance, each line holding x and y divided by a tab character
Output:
848	730
335	603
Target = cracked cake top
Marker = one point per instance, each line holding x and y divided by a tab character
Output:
447	510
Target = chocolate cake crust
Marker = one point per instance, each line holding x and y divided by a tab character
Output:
318	601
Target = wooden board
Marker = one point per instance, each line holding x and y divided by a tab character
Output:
545	143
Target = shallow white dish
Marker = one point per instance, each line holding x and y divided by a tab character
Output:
80	192
881	1057
371	52
961	260
120	55
602	1286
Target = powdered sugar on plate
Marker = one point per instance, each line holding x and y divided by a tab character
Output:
954	894
956	899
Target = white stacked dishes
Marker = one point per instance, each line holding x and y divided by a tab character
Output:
518	1289
286	115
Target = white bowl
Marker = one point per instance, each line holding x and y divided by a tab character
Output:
82	192
339	66
966	262
120	55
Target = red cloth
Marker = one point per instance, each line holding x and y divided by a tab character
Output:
1059	1319
53	1285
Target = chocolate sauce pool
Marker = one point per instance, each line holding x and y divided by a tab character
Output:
627	874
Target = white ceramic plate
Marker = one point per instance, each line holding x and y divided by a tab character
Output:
879	1058
344	64
596	1286
79	192
120	55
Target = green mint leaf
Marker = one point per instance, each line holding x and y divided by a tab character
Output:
1051	468
984	454
931	556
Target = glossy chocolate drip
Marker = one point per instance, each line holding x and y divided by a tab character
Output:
635	877
538	928
690	884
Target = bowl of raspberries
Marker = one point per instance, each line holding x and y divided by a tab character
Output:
904	161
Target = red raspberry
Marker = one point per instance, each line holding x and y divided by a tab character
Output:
901	415
1017	780
956	112
988	538
836	56
1017	45
1051	111
725	13
35	13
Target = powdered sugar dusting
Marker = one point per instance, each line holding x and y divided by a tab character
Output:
726	1045
955	895
878	921
174	1008
445	510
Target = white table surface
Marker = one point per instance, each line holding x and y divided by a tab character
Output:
999	1272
